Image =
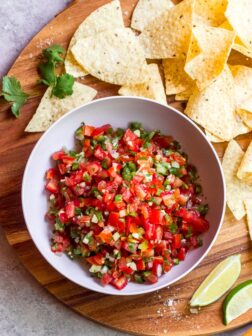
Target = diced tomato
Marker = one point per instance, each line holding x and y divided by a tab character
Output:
97	259
118	179
51	173
58	155
149	231
70	209
156	216
93	167
126	195
99	153
191	217
100	130
129	136
62	168
52	186
105	236
158	234
88	130
120	282
162	140
181	254
102	186
150	277
83	220
113	218
86	145
176	241
106	279
140	265
157	267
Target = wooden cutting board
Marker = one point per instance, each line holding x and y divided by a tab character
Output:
149	314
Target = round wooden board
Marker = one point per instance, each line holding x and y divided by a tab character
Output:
142	315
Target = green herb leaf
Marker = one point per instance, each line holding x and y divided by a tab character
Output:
203	209
64	86
46	71
52	54
13	93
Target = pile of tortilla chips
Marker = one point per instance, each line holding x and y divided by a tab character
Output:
192	42
237	167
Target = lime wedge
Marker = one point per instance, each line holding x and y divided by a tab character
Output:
238	301
222	277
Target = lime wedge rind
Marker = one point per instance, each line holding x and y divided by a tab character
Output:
238	301
219	281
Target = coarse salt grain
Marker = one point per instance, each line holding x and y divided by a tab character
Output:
194	311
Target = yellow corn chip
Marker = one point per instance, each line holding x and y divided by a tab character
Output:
214	107
168	35
107	17
176	79
237	45
237	191
147	10
239	14
52	108
185	95
208	53
243	86
113	56
245	169
246	118
248	207
213	138
153	88
209	12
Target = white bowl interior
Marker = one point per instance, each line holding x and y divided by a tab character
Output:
119	111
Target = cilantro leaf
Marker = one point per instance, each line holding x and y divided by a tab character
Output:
64	86
46	71
13	93
52	54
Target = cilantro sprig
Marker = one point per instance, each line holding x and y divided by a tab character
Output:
62	85
12	92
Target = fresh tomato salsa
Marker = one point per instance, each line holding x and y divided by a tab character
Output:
125	201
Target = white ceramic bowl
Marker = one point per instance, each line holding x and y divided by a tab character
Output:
119	111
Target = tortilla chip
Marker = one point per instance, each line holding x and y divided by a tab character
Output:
238	45
168	35
240	127
209	12
113	56
214	107
239	14
237	191
52	108
147	10
212	138
246	118
176	79
185	95
248	207
107	17
215	45
243	86
153	89
245	169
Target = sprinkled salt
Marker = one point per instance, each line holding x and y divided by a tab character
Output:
194	311
169	302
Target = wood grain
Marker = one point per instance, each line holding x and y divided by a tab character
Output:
142	315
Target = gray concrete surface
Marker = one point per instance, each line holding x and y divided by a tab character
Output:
25	308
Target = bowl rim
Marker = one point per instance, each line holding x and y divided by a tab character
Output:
148	289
